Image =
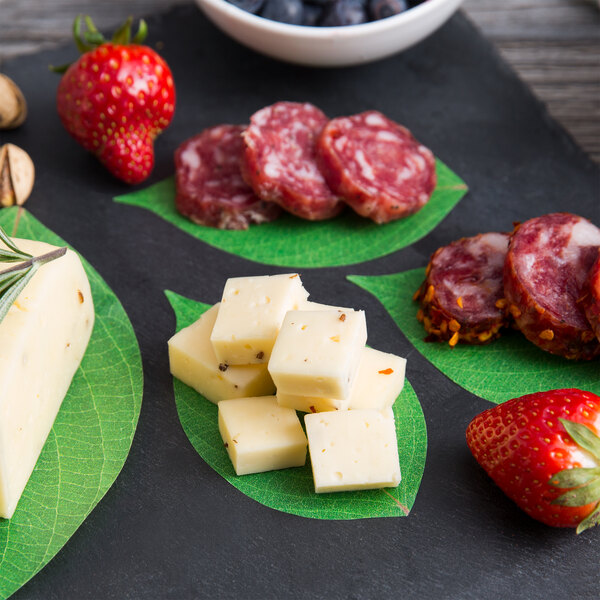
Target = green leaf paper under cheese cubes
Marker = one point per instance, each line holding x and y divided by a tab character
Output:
292	490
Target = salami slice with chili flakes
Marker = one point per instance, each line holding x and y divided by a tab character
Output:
209	185
376	166
462	299
279	160
546	267
591	298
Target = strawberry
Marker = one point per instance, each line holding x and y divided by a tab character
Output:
116	98
543	451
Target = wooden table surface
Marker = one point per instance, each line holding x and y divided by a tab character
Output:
553	44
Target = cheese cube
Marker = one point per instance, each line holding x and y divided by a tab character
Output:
379	381
193	361
260	435
308	305
43	338
353	450
317	353
250	316
310	403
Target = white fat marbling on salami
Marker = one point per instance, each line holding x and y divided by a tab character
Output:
210	189
279	160
376	166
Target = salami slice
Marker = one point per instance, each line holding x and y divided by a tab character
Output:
591	298
462	299
279	160
376	166
546	267
209	185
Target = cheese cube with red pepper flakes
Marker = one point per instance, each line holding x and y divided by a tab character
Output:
259	435
194	362
317	353
251	313
353	450
379	381
310	404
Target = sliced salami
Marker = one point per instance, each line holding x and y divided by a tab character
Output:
279	160
209	185
462	298
591	297
376	166
547	264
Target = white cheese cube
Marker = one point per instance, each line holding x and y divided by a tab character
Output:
353	450
250	316
310	404
260	435
194	362
42	341
317	353
308	305
379	381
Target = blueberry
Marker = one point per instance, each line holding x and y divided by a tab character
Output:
345	12
251	6
312	14
381	9
285	11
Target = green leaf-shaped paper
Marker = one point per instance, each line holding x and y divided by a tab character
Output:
292	490
89	441
506	368
293	242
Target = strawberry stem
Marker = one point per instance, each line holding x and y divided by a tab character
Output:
122	36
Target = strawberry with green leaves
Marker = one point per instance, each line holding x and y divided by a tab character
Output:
116	98
543	451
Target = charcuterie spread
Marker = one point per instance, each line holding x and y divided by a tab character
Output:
266	351
540	286
312	167
210	187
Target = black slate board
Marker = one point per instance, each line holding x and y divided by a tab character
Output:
172	528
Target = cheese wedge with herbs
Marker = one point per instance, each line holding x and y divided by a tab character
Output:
43	338
194	362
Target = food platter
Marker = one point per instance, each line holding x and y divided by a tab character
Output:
173	526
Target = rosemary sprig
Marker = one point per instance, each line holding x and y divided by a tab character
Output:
14	279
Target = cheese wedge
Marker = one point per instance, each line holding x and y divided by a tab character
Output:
42	341
193	361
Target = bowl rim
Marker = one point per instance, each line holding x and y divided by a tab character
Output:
316	32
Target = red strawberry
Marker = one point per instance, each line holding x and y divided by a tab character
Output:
116	98
543	451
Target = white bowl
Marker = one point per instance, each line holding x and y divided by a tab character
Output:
330	46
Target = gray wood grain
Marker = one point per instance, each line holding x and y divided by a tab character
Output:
553	44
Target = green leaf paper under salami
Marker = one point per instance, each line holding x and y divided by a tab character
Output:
506	368
292	490
293	242
89	441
